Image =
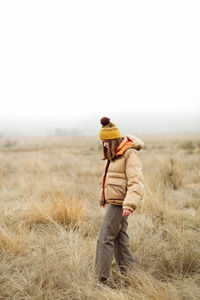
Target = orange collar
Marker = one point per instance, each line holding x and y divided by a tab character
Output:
120	150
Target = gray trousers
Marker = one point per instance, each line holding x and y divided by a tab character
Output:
113	239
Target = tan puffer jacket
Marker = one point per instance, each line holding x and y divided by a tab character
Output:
124	181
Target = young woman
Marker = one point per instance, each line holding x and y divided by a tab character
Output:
122	187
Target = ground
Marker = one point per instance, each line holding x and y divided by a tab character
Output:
50	218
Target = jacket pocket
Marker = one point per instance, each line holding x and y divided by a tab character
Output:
115	188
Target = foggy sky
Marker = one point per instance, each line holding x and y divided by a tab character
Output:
65	64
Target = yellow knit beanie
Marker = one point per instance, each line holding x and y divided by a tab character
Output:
108	131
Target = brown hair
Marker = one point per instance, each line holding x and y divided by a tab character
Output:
112	148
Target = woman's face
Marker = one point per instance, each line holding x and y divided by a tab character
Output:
105	143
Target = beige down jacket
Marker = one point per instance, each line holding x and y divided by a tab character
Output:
123	181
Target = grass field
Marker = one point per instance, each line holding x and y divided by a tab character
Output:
50	217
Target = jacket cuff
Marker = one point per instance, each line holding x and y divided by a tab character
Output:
131	208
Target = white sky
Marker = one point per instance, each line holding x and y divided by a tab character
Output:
70	59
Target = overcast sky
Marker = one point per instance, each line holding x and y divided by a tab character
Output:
64	61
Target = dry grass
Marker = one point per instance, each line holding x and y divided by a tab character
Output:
49	221
59	210
12	242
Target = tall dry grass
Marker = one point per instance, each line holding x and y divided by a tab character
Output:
49	221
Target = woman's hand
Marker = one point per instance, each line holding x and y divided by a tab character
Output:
102	205
126	212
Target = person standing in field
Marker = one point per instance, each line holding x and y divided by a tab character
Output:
122	188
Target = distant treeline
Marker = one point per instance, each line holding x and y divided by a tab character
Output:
66	132
56	132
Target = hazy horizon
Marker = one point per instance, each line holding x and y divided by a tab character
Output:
128	123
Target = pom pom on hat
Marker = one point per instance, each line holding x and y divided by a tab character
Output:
109	131
104	121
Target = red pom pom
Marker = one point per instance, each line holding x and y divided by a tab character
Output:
104	121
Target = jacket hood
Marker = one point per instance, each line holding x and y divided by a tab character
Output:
130	141
137	144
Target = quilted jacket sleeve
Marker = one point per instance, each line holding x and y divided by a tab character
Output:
135	179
